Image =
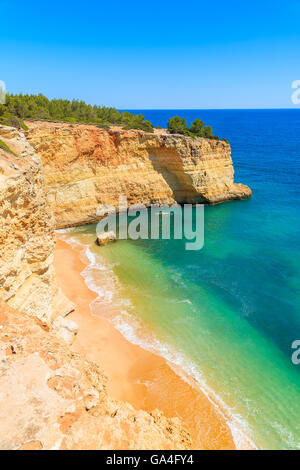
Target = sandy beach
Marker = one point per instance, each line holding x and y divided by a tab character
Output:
135	375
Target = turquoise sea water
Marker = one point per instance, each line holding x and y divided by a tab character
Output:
231	309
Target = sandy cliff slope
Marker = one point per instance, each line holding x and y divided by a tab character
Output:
86	167
27	237
52	398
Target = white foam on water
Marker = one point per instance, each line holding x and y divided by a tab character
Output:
80	228
65	230
287	436
134	331
130	328
184	301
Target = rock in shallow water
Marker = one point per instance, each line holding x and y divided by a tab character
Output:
106	237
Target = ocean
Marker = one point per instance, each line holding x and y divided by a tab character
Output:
229	313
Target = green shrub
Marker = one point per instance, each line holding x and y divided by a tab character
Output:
177	125
197	128
23	125
208	132
103	125
5	147
20	107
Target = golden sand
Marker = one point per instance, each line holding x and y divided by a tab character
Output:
135	375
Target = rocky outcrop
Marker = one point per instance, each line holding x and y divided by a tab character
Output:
106	237
27	237
86	167
52	398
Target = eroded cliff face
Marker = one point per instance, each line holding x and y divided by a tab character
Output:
86	167
52	398
27	237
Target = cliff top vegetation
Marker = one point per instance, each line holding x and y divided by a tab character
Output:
38	107
178	125
19	107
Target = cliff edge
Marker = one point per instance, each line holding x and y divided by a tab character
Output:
27	237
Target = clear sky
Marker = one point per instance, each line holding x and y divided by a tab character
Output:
159	54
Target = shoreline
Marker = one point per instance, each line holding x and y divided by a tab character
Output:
136	375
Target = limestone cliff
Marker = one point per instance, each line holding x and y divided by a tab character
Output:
86	166
27	237
52	398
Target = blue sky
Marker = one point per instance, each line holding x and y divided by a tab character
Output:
139	54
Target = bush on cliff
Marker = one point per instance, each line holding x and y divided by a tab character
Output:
9	119
5	147
208	132
19	107
197	127
178	125
134	121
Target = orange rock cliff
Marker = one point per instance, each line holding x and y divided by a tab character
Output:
86	167
27	237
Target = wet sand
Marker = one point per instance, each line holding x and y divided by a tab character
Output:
135	375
